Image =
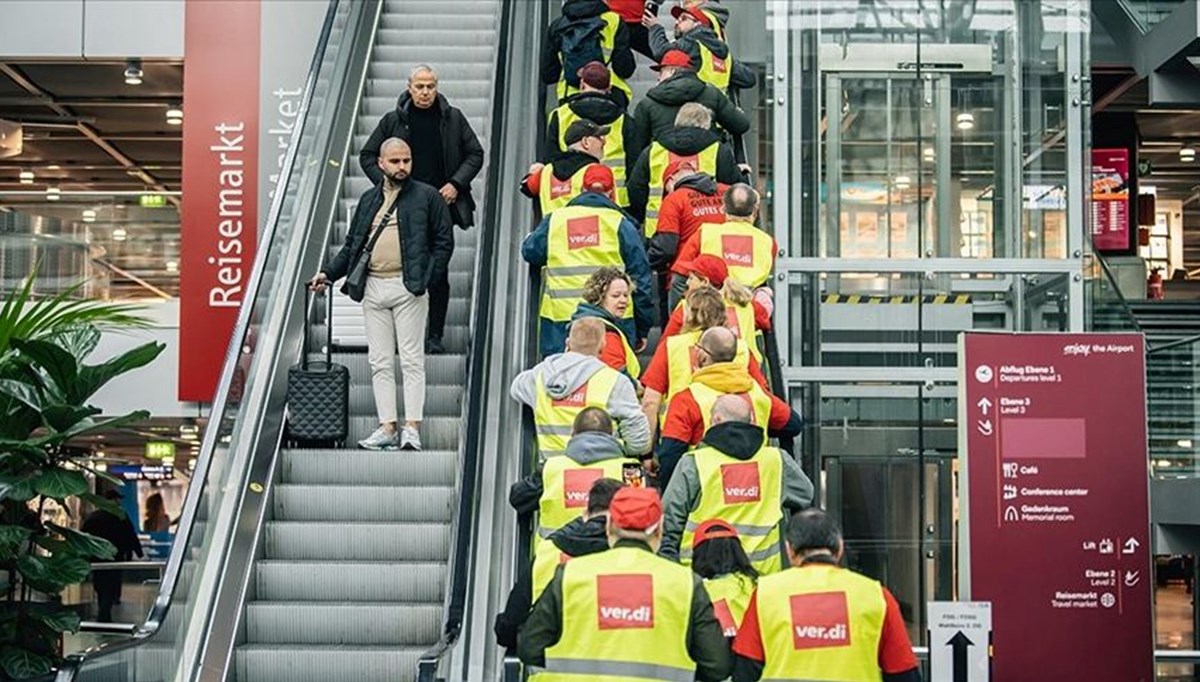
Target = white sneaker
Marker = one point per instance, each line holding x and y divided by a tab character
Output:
381	439
410	439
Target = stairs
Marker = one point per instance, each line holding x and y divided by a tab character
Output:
351	580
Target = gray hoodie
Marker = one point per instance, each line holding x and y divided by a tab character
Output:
564	373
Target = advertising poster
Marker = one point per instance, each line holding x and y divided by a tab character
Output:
1054	496
1110	199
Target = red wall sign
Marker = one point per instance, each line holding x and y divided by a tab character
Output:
1056	518
220	184
1110	199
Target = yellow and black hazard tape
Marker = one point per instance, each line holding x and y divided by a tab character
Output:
931	299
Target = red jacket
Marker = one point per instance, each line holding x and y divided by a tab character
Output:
630	10
684	211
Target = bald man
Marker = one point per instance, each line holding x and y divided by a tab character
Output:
401	231
736	477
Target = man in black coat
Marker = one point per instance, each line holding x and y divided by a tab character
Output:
678	85
446	155
119	531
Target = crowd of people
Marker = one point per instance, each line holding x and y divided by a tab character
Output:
671	540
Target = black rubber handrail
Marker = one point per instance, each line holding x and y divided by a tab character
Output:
477	353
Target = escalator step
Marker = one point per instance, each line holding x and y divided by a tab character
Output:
316	540
397	623
278	580
363	467
314	663
363	503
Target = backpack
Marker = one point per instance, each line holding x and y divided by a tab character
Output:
580	46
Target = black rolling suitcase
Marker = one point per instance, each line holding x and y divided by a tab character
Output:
318	393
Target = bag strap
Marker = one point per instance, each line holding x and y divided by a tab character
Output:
328	327
382	224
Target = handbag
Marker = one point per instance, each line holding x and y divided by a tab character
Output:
355	285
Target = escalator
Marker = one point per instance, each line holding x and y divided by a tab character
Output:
321	564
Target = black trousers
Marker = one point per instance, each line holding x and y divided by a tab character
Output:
107	585
439	301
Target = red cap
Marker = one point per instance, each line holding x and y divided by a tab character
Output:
596	75
711	530
637	509
695	12
677	58
709	267
674	166
599	178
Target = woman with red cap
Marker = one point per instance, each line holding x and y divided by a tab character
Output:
729	577
750	310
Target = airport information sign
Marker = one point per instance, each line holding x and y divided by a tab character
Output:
1054	497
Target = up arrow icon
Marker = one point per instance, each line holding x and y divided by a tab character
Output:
985	405
1131	546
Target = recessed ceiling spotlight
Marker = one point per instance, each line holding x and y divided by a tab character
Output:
965	120
1187	153
53	194
172	266
26	177
175	116
89	216
133	72
928	154
119	234
902	182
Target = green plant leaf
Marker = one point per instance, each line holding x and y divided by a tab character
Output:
58	618
104	504
68	570
79	341
58	364
21	392
92	377
52	544
85	544
12	540
33	570
60	483
64	417
20	664
21	491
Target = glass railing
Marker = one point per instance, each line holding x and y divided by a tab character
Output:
1107	308
169	642
1173	408
1150	13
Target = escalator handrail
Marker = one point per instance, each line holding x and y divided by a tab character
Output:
1112	282
477	369
221	400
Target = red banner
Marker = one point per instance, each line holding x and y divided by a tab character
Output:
220	183
1057	519
1110	199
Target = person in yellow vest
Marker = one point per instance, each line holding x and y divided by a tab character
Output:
690	412
695	36
748	252
625	614
690	139
716	12
819	622
585	535
562	385
586	31
729	577
608	297
553	185
570	244
749	312
735	476
598	102
678	85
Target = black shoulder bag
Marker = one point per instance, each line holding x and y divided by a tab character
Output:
355	285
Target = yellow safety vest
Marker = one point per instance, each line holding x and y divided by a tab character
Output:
633	367
546	558
730	595
660	158
565	486
625	615
608	40
746	494
740	320
716	24
714	70
821	622
681	360
748	252
706	396
614	148
554	419
554	194
582	239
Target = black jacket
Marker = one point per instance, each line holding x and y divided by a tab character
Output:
577	538
600	108
116	529
706	642
462	155
655	114
742	76
622	64
683	141
566	165
426	235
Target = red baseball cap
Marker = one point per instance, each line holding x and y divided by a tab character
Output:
709	267
674	166
638	509
694	11
596	75
711	530
677	58
599	178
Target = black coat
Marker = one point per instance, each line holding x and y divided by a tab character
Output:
623	63
601	108
683	141
426	235
655	114
462	155
116	529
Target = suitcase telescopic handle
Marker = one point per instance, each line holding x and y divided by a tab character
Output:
308	293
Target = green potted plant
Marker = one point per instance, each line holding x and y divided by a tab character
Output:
45	388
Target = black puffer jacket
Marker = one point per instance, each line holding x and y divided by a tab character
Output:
685	142
655	114
600	108
742	76
622	62
426	235
462	155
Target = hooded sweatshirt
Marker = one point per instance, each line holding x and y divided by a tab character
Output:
683	141
564	373
622	63
586	448
741	441
742	76
655	113
697	199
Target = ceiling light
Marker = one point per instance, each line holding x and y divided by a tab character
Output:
89	216
965	120
52	194
101	467
1187	153
26	177
1185	443
902	182
119	234
133	72
172	266
175	116
928	154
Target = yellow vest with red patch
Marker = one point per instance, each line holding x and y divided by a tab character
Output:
748	252
553	193
661	157
554	418
682	361
565	486
730	595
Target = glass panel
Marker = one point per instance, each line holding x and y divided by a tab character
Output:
1173	411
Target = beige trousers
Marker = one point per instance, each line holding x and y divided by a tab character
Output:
395	320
